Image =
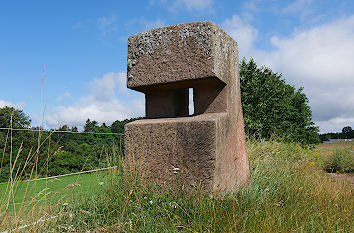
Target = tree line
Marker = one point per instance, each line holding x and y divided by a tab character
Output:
347	133
48	153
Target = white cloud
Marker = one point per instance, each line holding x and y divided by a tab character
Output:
321	56
320	59
66	95
109	100
147	24
243	33
150	24
20	105
336	124
107	24
302	8
193	5
297	6
104	88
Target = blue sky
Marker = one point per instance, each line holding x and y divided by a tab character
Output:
83	45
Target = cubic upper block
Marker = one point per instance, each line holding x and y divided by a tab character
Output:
182	52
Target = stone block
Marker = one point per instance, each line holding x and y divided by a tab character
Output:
169	145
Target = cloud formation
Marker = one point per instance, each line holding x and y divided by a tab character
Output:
19	105
244	33
297	6
66	95
192	5
319	58
147	24
107	24
109	100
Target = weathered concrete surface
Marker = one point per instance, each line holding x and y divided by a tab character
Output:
207	148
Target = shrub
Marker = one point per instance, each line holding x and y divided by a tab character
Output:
342	160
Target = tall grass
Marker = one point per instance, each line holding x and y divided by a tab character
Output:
287	193
341	160
10	217
30	203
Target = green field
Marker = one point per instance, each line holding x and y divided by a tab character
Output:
50	191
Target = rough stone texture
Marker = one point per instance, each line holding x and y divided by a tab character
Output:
207	148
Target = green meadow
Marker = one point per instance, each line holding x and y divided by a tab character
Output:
22	196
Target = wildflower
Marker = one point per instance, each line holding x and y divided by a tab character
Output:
130	224
151	202
100	183
65	204
175	170
172	205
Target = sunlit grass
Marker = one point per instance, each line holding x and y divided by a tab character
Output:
52	190
288	193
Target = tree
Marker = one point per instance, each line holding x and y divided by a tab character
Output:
272	107
348	132
64	128
18	117
88	126
118	126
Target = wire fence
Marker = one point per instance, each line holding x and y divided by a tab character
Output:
31	224
2	152
61	131
51	132
51	177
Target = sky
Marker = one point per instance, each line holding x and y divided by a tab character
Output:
83	46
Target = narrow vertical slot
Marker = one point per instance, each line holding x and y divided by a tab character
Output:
191	101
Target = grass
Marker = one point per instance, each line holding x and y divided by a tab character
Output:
32	200
327	148
288	192
337	157
52	190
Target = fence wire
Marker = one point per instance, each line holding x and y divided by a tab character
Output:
51	177
60	131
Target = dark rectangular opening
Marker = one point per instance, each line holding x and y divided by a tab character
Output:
186	98
166	103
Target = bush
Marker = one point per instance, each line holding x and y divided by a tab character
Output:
342	160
